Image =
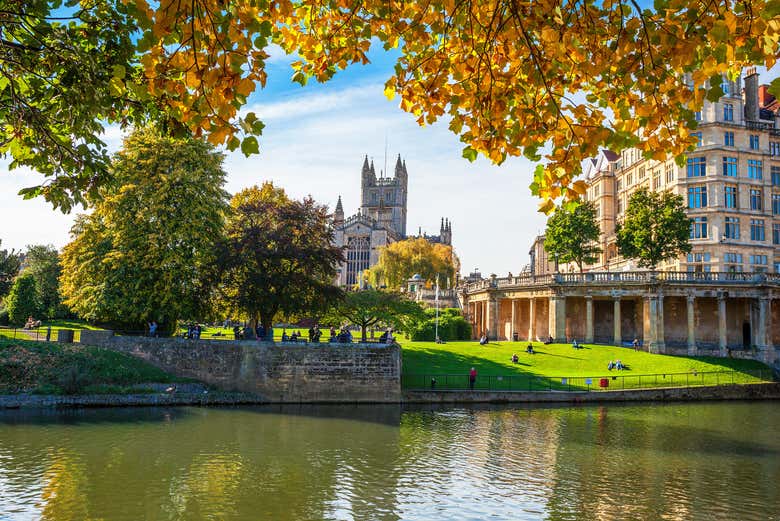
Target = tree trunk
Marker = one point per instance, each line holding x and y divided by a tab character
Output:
268	326
363	333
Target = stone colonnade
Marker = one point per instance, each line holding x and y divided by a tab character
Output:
686	320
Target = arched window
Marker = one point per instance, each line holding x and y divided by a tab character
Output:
358	256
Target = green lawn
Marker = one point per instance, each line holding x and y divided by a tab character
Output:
552	363
51	368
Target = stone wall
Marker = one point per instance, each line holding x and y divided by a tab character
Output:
768	391
276	372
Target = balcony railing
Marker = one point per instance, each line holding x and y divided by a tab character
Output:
617	277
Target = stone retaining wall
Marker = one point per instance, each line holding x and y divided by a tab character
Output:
24	401
277	372
768	391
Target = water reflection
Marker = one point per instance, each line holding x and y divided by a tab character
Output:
682	461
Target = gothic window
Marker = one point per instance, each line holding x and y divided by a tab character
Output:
358	256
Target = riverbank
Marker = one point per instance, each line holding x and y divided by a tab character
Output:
766	391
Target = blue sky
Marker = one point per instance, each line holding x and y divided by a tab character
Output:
313	144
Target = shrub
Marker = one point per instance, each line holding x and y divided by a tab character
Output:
452	326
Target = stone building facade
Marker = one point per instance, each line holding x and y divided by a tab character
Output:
380	222
719	314
731	184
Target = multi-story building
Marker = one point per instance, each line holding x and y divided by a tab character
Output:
731	185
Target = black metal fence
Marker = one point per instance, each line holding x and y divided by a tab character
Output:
534	383
41	334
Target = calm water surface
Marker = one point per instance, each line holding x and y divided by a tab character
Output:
680	461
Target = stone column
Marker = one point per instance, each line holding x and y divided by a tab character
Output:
650	323
618	334
558	318
722	330
494	319
589	319
660	337
691	325
761	343
512	323
531	319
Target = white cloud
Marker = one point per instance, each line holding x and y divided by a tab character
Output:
314	144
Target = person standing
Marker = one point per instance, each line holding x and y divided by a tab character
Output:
472	378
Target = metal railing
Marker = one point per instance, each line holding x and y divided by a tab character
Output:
600	277
612	381
40	334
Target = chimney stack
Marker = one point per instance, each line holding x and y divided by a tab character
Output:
751	94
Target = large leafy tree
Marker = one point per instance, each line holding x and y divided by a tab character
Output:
571	234
369	308
504	74
144	253
401	260
22	300
10	262
276	256
42	262
655	228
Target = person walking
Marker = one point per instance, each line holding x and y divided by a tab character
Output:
472	378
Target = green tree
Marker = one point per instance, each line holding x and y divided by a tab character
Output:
655	228
276	256
572	232
401	260
371	307
22	300
43	263
145	251
10	262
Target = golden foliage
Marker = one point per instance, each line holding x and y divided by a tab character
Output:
510	77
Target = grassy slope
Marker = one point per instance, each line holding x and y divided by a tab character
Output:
552	360
51	368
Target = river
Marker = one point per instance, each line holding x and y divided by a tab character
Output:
709	461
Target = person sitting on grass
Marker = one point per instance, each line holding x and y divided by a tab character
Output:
619	365
574	344
483	339
515	358
610	365
549	340
285	338
530	349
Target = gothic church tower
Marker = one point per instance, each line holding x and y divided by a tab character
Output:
384	198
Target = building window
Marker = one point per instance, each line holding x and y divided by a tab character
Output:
758	259
757	230
669	173
619	185
697	115
641	174
755	199
697	196
699	140
728	112
629	180
699	228
730	166
754	142
697	167
730	196
774	148
755	169
699	261
732	228
776	175
358	257
728	139
776	204
776	233
656	180
733	261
